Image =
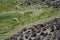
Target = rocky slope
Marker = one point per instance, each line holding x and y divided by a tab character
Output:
46	31
50	3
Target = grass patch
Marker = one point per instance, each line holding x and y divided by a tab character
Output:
8	4
27	18
9	23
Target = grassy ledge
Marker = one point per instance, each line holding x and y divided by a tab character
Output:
7	24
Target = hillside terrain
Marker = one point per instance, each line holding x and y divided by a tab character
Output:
18	14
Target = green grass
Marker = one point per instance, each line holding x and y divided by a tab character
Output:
8	4
7	22
8	16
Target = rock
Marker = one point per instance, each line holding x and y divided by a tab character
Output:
50	3
15	19
21	13
17	7
33	33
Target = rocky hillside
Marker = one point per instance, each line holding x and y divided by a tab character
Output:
46	31
18	14
50	3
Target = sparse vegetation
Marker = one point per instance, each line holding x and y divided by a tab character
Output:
11	18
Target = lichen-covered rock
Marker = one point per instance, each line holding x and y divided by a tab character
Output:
46	31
